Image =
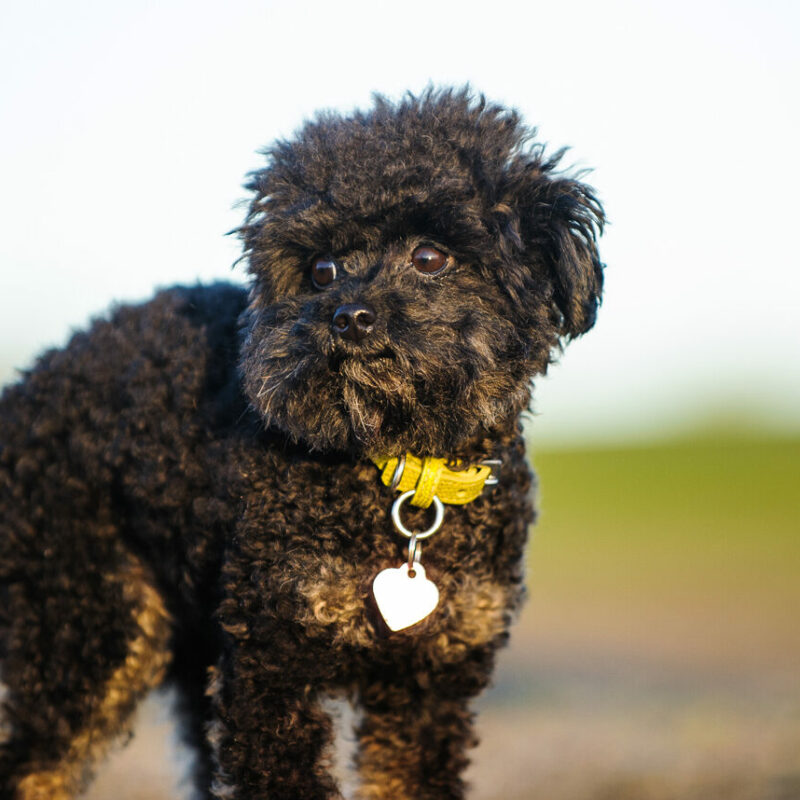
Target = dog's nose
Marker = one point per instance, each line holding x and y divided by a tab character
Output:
354	321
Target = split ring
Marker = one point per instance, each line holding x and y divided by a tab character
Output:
398	523
414	552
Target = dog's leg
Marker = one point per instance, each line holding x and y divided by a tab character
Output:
413	738
83	648
270	736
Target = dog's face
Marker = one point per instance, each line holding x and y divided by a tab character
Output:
413	268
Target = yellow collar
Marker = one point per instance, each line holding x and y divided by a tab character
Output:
429	477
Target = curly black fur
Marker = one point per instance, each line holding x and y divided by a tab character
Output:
185	490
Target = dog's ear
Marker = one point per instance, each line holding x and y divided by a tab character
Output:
558	221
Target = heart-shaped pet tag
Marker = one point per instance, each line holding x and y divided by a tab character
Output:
404	600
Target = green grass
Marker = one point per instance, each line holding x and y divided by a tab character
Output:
701	531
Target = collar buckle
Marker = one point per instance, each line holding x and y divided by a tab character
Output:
494	464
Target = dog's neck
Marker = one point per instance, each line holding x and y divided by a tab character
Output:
482	446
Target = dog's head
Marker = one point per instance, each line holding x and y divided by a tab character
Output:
413	268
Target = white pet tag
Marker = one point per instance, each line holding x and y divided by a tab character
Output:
402	600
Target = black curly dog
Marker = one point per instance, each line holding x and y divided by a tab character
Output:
187	491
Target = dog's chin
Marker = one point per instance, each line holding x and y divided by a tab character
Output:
363	423
361	406
371	407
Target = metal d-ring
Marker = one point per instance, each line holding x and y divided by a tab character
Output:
398	523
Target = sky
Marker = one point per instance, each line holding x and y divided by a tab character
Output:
126	130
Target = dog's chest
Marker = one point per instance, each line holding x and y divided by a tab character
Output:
330	534
338	603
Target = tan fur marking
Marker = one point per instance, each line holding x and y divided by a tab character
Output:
337	603
380	765
479	612
143	669
43	786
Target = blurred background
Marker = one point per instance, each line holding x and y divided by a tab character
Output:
659	654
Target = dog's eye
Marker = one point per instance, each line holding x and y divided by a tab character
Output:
323	272
428	259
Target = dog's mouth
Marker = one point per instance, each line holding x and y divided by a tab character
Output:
338	358
385	353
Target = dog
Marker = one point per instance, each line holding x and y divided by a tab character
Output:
237	491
